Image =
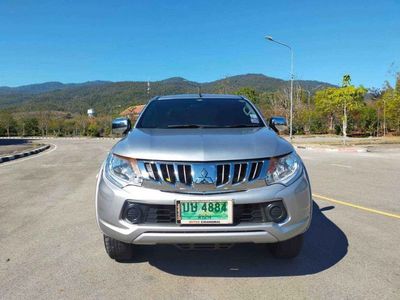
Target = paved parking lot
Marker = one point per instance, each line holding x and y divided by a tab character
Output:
50	246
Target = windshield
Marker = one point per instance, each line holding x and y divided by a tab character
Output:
199	113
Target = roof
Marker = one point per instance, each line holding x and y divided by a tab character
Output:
196	96
132	110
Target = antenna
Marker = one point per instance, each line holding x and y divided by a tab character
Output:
148	88
199	90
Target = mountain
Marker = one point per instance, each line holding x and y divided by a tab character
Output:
105	96
259	82
45	87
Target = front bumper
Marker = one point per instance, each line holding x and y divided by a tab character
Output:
110	201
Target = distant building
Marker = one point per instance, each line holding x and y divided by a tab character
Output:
132	112
90	112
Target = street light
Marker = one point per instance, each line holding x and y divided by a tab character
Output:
269	38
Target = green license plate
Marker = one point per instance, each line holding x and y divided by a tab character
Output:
204	212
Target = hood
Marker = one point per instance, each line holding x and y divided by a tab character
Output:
202	144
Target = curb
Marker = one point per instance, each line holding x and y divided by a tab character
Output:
346	150
23	154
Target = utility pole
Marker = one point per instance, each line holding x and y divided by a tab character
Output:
384	117
269	38
308	107
344	122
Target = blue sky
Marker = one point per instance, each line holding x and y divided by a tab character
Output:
76	41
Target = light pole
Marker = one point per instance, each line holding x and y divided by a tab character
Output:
269	38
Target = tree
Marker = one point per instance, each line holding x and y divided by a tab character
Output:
44	120
83	123
31	126
325	105
369	120
339	102
391	106
56	126
350	98
397	85
93	129
346	81
249	93
7	124
394	105
280	103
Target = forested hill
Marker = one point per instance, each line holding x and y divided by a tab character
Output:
104	96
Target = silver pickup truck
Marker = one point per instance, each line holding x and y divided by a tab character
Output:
202	170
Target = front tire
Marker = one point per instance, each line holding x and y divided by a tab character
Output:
289	248
118	250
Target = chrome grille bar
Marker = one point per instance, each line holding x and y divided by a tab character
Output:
223	174
255	168
240	172
183	173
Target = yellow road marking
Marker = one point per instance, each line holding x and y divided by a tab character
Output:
379	212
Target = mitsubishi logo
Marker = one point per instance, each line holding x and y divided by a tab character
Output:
204	178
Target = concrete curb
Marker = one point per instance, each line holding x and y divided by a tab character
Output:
23	154
347	149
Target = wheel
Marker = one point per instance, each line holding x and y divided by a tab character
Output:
289	248
118	250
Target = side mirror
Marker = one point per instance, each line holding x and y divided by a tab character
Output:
278	124
121	125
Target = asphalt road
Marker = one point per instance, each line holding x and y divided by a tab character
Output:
50	246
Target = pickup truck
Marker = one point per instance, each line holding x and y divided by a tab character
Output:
202	170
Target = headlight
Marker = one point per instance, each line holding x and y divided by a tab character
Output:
283	169
122	171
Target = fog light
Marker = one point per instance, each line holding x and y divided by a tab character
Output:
134	214
276	212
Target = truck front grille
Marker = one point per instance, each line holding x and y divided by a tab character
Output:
205	177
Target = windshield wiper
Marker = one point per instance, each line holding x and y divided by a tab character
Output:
211	126
190	126
242	125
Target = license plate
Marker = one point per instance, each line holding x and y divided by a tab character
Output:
204	212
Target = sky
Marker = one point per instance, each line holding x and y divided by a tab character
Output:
77	41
